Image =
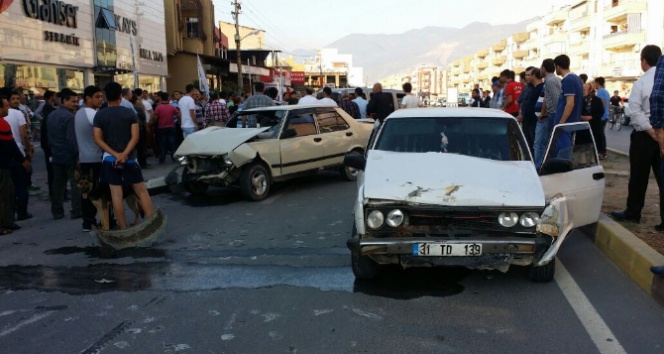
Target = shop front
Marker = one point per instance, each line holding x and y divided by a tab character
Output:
130	44
40	50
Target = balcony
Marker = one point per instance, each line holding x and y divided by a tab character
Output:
466	69
482	52
619	9
519	54
520	37
500	46
624	39
556	17
579	48
483	64
499	60
518	69
626	69
556	37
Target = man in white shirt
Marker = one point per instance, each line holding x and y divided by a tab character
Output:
188	112
361	102
309	98
644	149
410	100
126	98
20	176
327	100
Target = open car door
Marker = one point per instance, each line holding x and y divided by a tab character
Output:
571	168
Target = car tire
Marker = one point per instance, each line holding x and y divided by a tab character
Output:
364	268
255	182
193	187
543	274
349	174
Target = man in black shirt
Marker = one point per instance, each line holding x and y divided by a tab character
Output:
381	104
116	132
615	100
534	80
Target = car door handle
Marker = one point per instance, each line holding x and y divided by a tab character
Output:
349	134
598	176
318	140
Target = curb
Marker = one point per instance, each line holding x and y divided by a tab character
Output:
630	254
617	151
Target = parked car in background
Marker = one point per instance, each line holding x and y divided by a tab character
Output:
291	141
464	99
458	187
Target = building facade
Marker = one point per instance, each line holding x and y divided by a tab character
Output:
601	37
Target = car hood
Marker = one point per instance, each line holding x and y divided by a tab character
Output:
450	179
214	141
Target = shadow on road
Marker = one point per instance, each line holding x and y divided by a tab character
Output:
404	284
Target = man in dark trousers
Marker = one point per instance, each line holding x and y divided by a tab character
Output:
62	141
644	151
380	104
9	154
49	101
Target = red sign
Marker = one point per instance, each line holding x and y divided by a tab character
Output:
4	4
297	77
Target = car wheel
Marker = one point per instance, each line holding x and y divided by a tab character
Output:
349	173
193	187
364	268
543	274
255	182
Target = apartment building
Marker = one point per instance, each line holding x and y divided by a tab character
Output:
602	38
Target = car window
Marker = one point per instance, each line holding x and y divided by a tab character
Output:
330	121
267	118
302	122
573	143
491	138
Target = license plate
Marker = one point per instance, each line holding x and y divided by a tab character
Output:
447	249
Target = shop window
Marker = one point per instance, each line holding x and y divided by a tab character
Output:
192	28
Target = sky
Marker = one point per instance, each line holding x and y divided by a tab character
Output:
311	24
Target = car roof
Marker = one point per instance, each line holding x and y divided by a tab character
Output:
289	107
463	112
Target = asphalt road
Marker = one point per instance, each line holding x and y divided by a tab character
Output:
619	139
274	277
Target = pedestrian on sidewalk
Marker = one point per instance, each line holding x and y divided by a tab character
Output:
216	112
644	150
9	155
165	127
380	105
89	154
604	95
49	101
116	133
20	174
410	100
63	144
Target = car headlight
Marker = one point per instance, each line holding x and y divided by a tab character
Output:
227	160
508	219
529	219
395	218
375	219
183	160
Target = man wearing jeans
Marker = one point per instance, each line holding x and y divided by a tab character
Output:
603	93
551	93
188	112
164	123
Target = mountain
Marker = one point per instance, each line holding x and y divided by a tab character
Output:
382	55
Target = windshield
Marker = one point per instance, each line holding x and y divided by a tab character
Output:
491	138
266	118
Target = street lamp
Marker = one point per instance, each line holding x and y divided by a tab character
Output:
239	39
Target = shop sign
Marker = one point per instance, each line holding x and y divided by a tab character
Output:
150	55
297	77
126	25
52	11
61	38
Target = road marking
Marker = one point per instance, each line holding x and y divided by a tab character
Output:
605	341
25	322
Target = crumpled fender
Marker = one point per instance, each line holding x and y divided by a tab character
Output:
242	155
556	223
358	211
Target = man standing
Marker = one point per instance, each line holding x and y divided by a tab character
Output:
116	133
20	175
216	113
188	111
529	122
308	98
486	99
410	100
327	97
127	94
361	102
89	154
512	92
9	155
163	120
476	99
551	94
380	104
569	104
526	87
256	101
604	95
62	140
644	151
49	101
495	100
349	106
616	100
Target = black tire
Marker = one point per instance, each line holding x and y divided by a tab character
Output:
255	182
349	174
542	274
364	268
193	187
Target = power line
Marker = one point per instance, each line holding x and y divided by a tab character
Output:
272	25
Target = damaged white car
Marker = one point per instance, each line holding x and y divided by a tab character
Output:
289	141
457	187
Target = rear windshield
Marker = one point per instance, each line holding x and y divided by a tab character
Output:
491	138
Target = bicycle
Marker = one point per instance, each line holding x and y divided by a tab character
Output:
616	118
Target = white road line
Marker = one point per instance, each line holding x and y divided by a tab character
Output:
25	322
599	332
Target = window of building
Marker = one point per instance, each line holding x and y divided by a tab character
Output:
192	27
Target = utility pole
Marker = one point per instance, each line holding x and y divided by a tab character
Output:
236	15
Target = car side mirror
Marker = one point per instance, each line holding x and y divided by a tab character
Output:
288	133
555	165
355	161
